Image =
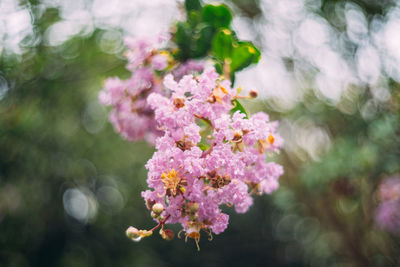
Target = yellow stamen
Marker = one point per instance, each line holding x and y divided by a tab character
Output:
271	139
219	93
164	53
171	181
183	189
223	90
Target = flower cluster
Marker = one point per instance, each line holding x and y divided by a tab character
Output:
131	116
388	212
207	157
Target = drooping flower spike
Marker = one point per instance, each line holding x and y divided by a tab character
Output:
209	151
206	156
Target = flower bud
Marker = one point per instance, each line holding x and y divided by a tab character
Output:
132	233
167	234
193	217
253	94
192	207
157	208
154	215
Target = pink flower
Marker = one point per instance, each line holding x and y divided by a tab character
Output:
132	115
189	67
159	62
388	212
113	92
388	216
232	165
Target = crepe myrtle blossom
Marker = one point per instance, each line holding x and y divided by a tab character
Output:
388	211
131	116
206	157
189	67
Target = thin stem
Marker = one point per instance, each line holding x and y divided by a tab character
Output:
160	223
242	97
226	68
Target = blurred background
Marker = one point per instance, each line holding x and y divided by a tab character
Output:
70	186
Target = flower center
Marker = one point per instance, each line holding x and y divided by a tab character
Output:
172	182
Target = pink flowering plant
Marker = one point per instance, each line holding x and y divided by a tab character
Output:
180	97
388	212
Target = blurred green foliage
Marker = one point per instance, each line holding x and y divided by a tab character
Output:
194	36
207	31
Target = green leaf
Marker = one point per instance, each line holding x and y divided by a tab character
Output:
217	15
203	147
222	44
238	107
194	18
233	77
218	67
192	5
183	40
203	40
244	54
